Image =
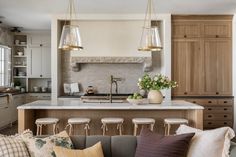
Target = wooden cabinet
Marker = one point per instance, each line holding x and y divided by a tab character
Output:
218	112
202	65
187	66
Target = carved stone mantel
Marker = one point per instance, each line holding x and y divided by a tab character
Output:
146	61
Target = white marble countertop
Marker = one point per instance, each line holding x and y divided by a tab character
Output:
79	105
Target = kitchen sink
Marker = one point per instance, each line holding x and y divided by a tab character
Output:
104	98
103	101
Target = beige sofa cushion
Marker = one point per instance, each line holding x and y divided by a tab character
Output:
209	143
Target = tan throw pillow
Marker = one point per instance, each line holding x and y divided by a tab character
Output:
94	151
43	147
209	143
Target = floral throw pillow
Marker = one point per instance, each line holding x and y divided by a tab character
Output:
43	147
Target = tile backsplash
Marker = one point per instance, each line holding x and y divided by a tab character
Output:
98	75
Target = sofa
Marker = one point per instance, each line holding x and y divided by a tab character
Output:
118	146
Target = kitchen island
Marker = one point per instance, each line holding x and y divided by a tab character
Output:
64	109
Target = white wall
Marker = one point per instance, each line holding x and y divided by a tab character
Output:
119	38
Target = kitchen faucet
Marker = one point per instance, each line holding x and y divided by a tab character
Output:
113	80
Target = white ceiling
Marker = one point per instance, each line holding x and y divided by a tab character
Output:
36	14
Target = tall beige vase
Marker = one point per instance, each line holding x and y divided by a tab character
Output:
155	97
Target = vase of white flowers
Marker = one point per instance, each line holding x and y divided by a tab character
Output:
153	85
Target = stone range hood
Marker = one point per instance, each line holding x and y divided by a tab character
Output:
146	61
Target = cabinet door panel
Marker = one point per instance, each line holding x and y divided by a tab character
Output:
187	67
217	29
186	30
34	40
218	67
35	62
224	67
46	62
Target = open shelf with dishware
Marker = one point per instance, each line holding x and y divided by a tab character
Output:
19	61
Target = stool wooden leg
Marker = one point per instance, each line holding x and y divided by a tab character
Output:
41	129
151	127
135	129
70	129
165	126
38	127
120	129
168	129
104	129
54	129
86	129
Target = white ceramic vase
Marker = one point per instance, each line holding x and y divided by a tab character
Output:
155	97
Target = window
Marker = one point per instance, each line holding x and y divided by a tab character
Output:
5	66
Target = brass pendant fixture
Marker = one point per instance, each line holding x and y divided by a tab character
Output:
150	39
70	36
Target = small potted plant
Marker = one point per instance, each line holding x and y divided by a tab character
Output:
154	84
17	85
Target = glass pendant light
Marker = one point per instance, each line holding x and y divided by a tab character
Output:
150	39
70	36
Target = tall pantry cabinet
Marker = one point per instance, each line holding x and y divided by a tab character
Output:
202	65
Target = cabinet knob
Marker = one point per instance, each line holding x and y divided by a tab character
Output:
185	36
225	109
209	123
41	75
209	102
209	109
210	116
217	93
194	102
225	123
217	36
185	93
225	116
225	102
41	45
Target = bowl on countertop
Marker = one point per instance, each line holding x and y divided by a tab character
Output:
137	101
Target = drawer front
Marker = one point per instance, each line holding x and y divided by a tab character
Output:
216	124
223	109
228	102
210	102
204	102
210	116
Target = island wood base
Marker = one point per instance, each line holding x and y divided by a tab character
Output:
27	117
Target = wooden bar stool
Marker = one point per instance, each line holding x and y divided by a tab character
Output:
78	121
173	121
106	121
46	121
143	121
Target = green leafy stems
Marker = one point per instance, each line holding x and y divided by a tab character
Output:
157	82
